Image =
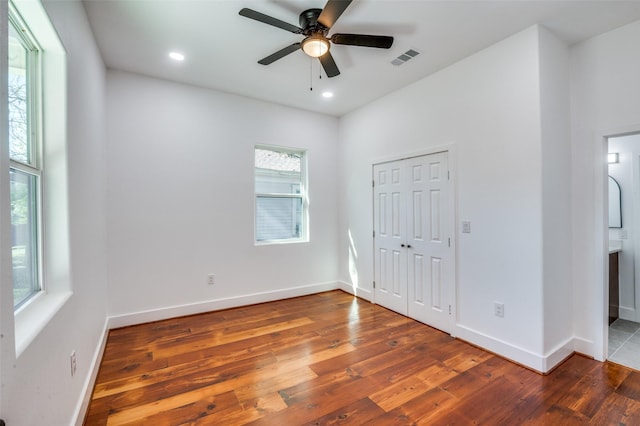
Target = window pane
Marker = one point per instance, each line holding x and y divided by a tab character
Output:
19	144
278	218
278	160
24	233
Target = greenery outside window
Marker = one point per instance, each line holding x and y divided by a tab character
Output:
24	108
280	195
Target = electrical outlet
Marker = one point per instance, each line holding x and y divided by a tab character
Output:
210	279
74	363
499	309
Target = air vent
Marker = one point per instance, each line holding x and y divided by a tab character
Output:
409	54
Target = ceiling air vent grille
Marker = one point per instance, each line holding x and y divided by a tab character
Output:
409	54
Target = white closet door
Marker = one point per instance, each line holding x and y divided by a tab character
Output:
390	227
429	273
413	225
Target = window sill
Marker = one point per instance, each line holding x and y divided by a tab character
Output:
33	317
278	242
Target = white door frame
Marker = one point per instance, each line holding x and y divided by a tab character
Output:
453	204
601	324
601	320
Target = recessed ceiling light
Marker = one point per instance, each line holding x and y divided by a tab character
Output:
176	56
327	95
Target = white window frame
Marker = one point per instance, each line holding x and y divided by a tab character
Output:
33	166
32	317
302	196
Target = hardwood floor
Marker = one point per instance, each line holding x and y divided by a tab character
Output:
333	359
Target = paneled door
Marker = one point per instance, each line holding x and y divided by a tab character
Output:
389	204
413	226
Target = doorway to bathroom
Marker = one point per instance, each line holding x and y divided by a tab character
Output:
624	249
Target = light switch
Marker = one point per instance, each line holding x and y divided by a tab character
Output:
466	227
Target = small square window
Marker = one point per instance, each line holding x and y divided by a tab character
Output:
280	195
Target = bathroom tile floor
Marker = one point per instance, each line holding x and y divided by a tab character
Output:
624	343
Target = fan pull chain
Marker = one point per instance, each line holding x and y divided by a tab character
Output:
311	74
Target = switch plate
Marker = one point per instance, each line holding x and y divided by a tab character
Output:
499	309
466	227
210	279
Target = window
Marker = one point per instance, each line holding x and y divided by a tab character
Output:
35	99
24	108
281	199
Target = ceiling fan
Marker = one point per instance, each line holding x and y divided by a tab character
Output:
315	25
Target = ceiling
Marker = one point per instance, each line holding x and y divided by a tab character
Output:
222	48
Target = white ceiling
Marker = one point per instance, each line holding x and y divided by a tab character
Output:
222	48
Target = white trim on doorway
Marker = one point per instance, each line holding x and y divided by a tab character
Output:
601	269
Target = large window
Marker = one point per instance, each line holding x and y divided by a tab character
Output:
24	108
281	199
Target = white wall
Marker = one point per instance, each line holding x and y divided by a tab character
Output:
556	199
180	200
37	386
605	100
488	107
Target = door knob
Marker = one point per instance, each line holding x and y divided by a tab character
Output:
401	245
408	245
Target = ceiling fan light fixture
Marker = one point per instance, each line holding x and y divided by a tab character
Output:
315	46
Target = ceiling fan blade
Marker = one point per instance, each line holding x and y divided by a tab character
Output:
332	11
329	65
382	42
266	19
279	54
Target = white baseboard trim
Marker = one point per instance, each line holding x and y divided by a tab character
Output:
558	354
356	291
500	347
583	346
141	317
627	313
540	363
94	367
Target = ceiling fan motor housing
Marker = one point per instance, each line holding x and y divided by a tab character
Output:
309	22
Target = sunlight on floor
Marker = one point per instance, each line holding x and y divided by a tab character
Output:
353	257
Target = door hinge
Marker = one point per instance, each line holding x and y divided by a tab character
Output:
449	309
374	233
448	175
374	284
373	183
449	241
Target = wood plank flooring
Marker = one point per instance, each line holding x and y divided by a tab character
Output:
331	359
